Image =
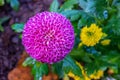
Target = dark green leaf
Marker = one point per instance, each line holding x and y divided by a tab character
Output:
70	65
54	6
39	69
69	13
2	20
1	28
68	5
15	4
77	53
44	69
85	20
18	27
90	68
57	68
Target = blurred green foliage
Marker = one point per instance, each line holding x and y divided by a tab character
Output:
104	13
13	3
2	20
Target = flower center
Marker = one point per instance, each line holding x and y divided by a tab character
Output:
49	36
89	33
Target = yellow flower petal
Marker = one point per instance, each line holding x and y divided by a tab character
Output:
105	42
90	36
70	74
97	75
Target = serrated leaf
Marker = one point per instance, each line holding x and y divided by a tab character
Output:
2	2
54	6
15	4
68	5
17	27
70	65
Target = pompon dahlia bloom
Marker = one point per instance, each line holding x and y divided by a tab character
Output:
48	37
90	36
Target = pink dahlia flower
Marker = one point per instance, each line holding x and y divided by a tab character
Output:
48	37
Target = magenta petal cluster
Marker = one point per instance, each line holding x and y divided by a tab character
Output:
48	37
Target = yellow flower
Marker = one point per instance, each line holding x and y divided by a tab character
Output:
83	71
70	74
97	75
105	42
90	36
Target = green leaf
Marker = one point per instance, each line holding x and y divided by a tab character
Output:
93	7
77	53
83	4
76	30
39	69
44	69
2	20
18	27
1	28
90	68
54	6
118	9
69	13
74	17
2	2
57	68
85	20
70	65
111	57
28	62
68	5
113	25
15	4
